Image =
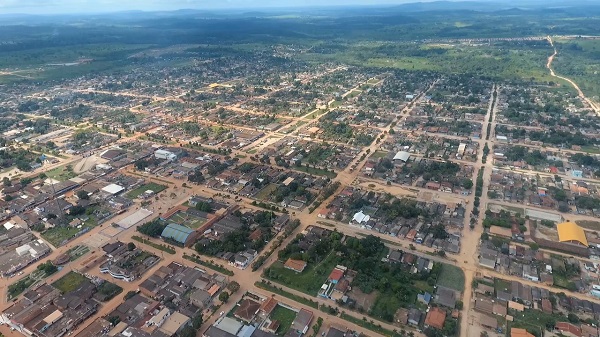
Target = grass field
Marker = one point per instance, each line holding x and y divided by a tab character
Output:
501	285
61	173
265	192
309	281
58	236
452	277
315	171
278	291
285	317
154	187
379	154
69	282
187	220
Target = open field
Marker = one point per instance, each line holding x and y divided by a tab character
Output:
154	187
69	282
309	281
61	173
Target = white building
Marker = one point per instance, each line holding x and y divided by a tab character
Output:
164	154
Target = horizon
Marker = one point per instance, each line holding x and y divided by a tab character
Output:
75	7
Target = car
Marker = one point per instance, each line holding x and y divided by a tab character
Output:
221	313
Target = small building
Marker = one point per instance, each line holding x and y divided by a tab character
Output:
436	317
302	321
295	265
174	323
247	310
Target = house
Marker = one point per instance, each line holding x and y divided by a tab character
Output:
424	298
295	265
336	332
302	321
516	332
268	306
530	273
336	274
568	329
436	317
174	323
247	310
488	322
546	306
446	297
360	218
200	298
414	316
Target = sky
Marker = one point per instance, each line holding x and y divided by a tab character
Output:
95	6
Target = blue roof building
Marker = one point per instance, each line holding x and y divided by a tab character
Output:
424	298
179	234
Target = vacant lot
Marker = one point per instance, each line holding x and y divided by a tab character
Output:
452	277
69	282
154	187
266	192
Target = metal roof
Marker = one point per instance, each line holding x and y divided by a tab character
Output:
177	232
569	231
402	155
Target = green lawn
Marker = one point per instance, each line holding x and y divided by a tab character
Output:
154	187
501	285
309	281
266	192
285	317
61	173
69	282
452	277
379	154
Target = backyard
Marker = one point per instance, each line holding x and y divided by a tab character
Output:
285	317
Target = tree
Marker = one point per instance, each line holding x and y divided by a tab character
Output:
131	246
188	331
129	295
467	183
573	318
224	296
6	182
83	195
233	286
197	321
